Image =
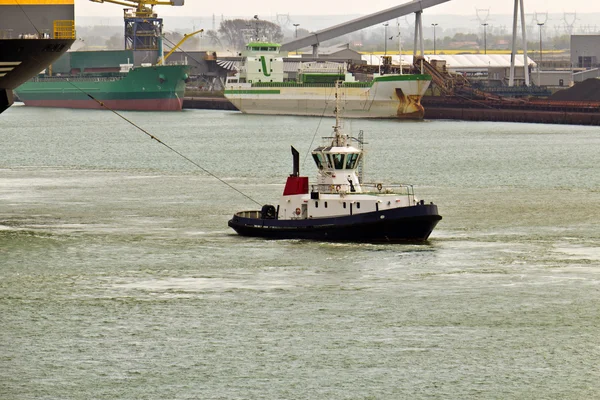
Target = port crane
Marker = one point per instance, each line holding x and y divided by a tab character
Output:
162	60
143	28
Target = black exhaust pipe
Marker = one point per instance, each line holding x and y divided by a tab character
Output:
296	157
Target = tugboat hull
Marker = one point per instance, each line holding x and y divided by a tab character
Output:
404	224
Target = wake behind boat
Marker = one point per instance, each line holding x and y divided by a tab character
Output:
339	207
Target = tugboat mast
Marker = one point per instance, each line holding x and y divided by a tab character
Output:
340	138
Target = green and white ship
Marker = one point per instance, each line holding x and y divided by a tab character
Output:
262	87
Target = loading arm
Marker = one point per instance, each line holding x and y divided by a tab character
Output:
185	37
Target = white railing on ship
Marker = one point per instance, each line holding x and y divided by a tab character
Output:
368	188
59	78
248	214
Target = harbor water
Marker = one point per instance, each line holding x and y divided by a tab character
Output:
119	278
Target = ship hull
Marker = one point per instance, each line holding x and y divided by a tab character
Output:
123	105
20	59
412	224
156	88
393	96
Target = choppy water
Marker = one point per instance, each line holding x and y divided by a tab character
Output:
119	277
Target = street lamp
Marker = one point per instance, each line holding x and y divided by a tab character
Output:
296	26
434	25
540	24
385	39
484	38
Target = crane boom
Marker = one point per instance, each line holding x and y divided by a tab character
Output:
143	7
137	3
185	37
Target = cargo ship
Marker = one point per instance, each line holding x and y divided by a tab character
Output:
142	88
262	87
131	79
33	34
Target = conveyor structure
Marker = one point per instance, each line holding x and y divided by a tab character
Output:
416	6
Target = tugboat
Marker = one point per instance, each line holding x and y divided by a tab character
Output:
339	207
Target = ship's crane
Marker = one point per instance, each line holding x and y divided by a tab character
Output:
185	37
143	28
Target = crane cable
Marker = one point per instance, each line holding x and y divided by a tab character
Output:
181	50
164	144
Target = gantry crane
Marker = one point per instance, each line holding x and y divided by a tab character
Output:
143	28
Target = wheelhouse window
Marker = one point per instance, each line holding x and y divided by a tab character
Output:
338	161
329	160
351	160
319	160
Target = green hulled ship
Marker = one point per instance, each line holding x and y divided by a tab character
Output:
120	87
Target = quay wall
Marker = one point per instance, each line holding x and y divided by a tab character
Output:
208	103
546	112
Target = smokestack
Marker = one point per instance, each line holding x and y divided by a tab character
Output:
296	157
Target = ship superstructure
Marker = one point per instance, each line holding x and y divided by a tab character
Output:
127	79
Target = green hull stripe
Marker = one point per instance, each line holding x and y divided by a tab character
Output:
385	78
412	77
56	95
252	91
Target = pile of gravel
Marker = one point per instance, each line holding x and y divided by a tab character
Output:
588	90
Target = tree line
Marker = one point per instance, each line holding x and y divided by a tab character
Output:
234	34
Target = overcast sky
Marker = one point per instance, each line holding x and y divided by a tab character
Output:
268	8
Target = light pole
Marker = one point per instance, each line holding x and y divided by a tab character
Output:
400	47
434	25
296	26
540	24
385	38
484	38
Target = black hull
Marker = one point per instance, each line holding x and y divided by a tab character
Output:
26	58
404	224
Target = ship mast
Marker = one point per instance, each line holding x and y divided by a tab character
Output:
340	138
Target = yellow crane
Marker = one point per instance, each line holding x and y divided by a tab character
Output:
185	37
143	28
143	8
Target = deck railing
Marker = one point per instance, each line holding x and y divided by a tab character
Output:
368	188
315	85
249	214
